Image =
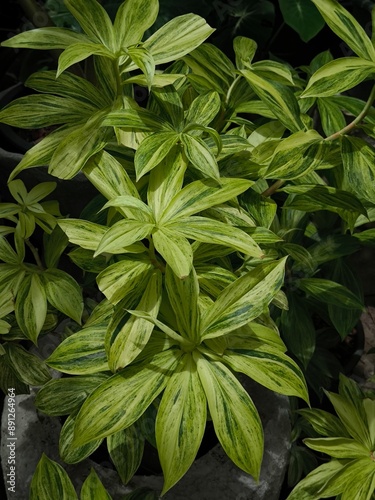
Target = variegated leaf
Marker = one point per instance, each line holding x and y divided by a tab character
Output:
200	156
63	292
84	233
104	412
123	278
51	480
134	335
212	231
243	300
175	250
183	295
234	415
72	454
122	234
270	367
132	20
45	39
78	52
31	306
346	27
177	37
152	151
94	21
125	448
82	353
180	422
201	195
93	488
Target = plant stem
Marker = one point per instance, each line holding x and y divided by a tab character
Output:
275	186
359	118
35	253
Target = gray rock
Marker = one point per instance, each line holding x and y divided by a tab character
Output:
212	477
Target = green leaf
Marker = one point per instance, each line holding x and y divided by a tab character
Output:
131	207
51	481
210	231
63	292
137	119
337	447
42	152
269	367
152	151
177	38
94	21
210	65
144	61
200	155
331	116
123	234
45	39
296	155
71	454
84	233
323	422
244	49
38	111
330	292
234	415
309	488
133	18
29	368
64	395
109	176
350	417
303	17
180	422
201	195
175	250
7	254
278	98
31	306
359	167
346	27
183	295
68	85
77	147
343	319
274	70
142	494
126	451
298	329
243	300
337	76
134	335
103	413
93	488
203	109
123	278
80	51
165	181
82	353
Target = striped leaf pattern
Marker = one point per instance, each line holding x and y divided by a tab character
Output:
51	480
71	454
133	18
93	488
180	422
104	412
234	415
31	306
134	335
82	353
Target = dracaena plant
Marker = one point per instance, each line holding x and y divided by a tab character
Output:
209	206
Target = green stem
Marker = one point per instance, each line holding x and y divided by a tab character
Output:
359	118
154	260
275	186
35	253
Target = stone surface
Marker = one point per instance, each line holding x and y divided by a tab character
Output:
212	477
